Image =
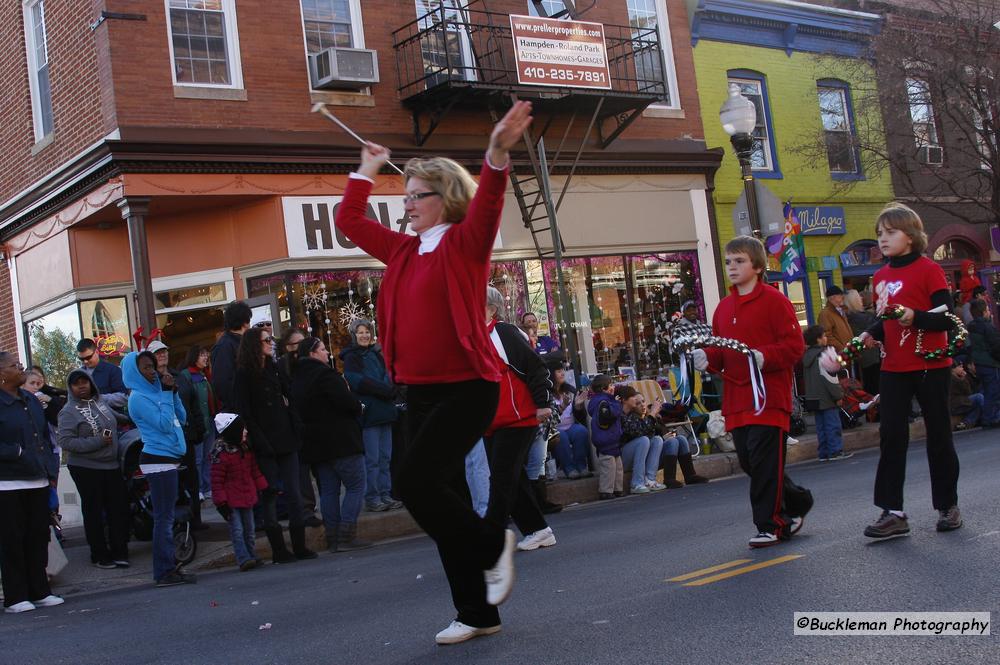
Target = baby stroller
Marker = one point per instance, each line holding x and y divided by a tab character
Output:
141	505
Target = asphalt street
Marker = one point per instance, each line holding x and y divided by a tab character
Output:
601	595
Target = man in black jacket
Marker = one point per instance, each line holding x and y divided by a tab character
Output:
984	341
236	317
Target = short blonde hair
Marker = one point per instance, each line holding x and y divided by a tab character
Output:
903	218
853	301
447	178
751	247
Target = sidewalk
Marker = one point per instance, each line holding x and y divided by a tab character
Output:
215	551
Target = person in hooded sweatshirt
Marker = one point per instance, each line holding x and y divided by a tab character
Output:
824	387
365	371
157	411
88	432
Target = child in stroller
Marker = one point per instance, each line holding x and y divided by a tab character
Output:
858	405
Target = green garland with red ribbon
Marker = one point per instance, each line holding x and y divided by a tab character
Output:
956	342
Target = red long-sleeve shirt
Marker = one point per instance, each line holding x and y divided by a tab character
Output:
430	307
764	320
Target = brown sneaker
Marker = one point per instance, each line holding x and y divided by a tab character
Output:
951	519
888	525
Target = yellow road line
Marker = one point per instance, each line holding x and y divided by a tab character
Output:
745	569
706	571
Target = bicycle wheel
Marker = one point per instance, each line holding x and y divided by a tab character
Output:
185	544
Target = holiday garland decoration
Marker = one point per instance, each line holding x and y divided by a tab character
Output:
692	336
956	341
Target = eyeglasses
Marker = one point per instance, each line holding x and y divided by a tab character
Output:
268	340
84	359
413	198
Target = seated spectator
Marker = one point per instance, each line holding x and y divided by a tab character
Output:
88	432
641	445
961	400
857	404
572	451
543	344
606	434
676	450
984	342
24	494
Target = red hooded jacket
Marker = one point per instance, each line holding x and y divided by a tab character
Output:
236	479
764	320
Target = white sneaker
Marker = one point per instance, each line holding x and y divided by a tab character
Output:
459	632
17	608
655	486
543	538
640	489
763	539
500	578
49	601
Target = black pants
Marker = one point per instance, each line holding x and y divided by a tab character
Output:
774	498
870	378
444	422
24	544
281	470
931	390
510	492
103	501
306	490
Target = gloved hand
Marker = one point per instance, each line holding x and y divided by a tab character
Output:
758	358
700	359
224	510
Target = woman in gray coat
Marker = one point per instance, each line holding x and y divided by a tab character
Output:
88	433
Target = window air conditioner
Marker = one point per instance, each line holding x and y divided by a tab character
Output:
350	68
931	155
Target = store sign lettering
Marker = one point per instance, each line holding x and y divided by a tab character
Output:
310	232
822	220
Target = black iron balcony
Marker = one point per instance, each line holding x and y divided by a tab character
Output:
465	56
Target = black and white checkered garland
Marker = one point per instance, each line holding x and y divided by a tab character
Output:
699	336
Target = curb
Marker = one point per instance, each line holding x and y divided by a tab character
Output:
381	527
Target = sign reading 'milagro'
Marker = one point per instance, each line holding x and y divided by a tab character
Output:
560	53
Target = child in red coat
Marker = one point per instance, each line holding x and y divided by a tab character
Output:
758	315
236	479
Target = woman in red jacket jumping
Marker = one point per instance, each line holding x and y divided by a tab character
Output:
439	277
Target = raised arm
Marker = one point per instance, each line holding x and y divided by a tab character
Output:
376	240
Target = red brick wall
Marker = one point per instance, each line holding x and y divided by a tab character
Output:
8	334
276	81
76	93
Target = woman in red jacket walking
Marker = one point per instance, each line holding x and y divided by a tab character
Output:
430	312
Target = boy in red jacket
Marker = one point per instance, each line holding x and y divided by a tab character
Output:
236	479
762	318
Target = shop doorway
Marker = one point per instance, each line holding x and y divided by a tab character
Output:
184	330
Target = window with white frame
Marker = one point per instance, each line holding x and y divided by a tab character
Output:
330	23
444	45
836	117
36	47
761	159
648	19
922	112
550	7
204	43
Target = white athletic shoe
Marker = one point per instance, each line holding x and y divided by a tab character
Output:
639	489
543	538
17	608
763	539
655	486
48	601
500	578
459	632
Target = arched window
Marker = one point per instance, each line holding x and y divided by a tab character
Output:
956	249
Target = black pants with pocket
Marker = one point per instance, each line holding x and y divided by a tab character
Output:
511	495
931	390
774	498
444	422
103	502
24	544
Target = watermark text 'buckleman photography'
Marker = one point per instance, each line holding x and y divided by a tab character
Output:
891	623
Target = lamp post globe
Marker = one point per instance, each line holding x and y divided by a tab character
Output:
738	116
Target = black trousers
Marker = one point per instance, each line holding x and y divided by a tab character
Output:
283	471
103	501
24	544
444	422
774	498
511	494
870	378
931	390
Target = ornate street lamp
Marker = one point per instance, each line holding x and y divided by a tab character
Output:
739	117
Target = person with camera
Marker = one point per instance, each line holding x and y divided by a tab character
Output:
88	432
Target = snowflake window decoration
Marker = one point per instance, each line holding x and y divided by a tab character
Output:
350	312
314	299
